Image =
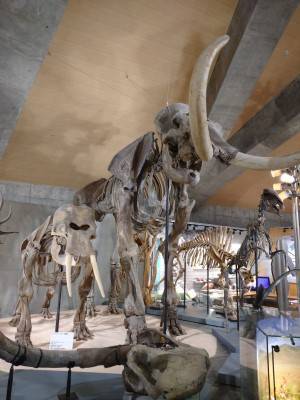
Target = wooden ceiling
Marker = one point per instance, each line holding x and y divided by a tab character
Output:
111	66
283	67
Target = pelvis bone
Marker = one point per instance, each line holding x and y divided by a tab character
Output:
73	229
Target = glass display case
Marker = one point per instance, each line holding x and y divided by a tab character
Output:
278	355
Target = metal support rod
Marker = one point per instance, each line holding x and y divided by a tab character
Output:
295	201
58	300
273	372
10	383
166	259
256	262
237	299
207	288
69	381
184	280
268	367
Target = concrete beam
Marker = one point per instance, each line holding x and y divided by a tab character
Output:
275	123
21	192
255	29
26	28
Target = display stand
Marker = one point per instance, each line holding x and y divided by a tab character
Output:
59	299
165	322
207	289
69	395
237	294
184	281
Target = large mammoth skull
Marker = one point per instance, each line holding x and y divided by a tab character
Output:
180	162
73	230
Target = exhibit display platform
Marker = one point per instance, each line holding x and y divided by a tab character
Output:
196	313
98	382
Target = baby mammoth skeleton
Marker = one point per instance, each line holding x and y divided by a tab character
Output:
63	240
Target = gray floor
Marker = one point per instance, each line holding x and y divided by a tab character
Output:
46	385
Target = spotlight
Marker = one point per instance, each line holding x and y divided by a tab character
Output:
275	173
286	178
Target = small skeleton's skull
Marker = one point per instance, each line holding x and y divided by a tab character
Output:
73	229
173	373
271	202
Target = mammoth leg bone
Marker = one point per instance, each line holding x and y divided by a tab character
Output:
17	315
115	287
182	216
46	305
25	295
81	331
134	307
229	310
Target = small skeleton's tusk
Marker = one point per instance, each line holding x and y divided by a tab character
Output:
97	274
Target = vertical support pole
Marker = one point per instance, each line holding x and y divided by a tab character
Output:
166	258
10	383
184	280
207	288
256	262
58	300
295	201
273	372
268	367
237	298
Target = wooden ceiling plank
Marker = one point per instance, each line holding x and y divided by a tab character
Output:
255	30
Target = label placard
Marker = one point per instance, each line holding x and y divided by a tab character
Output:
61	341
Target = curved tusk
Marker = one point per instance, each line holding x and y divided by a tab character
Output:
69	273
197	98
266	163
97	274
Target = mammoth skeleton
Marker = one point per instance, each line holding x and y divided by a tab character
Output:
64	239
137	190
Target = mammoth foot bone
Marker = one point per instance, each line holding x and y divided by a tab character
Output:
81	331
15	320
23	339
173	325
46	313
112	307
134	324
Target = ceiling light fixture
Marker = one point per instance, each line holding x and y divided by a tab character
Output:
275	173
287	178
